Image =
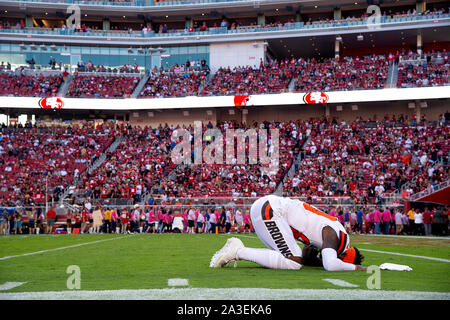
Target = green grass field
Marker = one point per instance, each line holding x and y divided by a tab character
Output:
148	261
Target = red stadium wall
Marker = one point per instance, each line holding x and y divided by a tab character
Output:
440	197
428	46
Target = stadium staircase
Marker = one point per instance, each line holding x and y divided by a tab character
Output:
298	158
98	162
408	184
65	86
204	84
391	81
140	86
291	85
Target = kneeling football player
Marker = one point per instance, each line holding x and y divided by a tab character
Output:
278	222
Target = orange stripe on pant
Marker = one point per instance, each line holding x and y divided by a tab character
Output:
267	212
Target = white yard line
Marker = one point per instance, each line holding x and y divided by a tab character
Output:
62	248
341	283
10	285
405	236
406	255
178	282
228	294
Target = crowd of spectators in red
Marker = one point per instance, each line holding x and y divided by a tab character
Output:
94	86
29	85
365	160
237	179
138	163
272	77
173	84
348	73
36	158
425	70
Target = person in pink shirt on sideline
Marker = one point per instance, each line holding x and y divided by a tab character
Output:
392	226
217	213
114	217
377	221
333	212
150	222
371	222
385	220
247	222
184	215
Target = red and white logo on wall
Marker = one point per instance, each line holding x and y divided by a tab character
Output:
241	101
315	97
51	103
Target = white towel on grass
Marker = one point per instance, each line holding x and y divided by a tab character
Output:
395	267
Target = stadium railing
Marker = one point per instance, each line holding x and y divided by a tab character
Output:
430	190
335	25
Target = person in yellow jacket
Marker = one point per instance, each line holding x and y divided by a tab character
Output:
411	214
107	221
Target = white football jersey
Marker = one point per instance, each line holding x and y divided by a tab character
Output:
306	221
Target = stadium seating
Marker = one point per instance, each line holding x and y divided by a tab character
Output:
39	158
367	72
430	69
95	86
173	84
271	78
29	85
366	160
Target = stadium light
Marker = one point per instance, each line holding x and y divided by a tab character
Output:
130	50
339	108
152	50
140	50
43	47
423	104
354	107
53	47
339	38
411	105
160	49
23	46
185	113
360	37
33	46
150	114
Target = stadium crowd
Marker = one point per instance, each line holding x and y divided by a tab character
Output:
366	160
40	85
348	73
40	162
95	86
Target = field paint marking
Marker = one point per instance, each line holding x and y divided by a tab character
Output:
406	255
341	283
227	294
405	236
176	282
10	285
62	248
